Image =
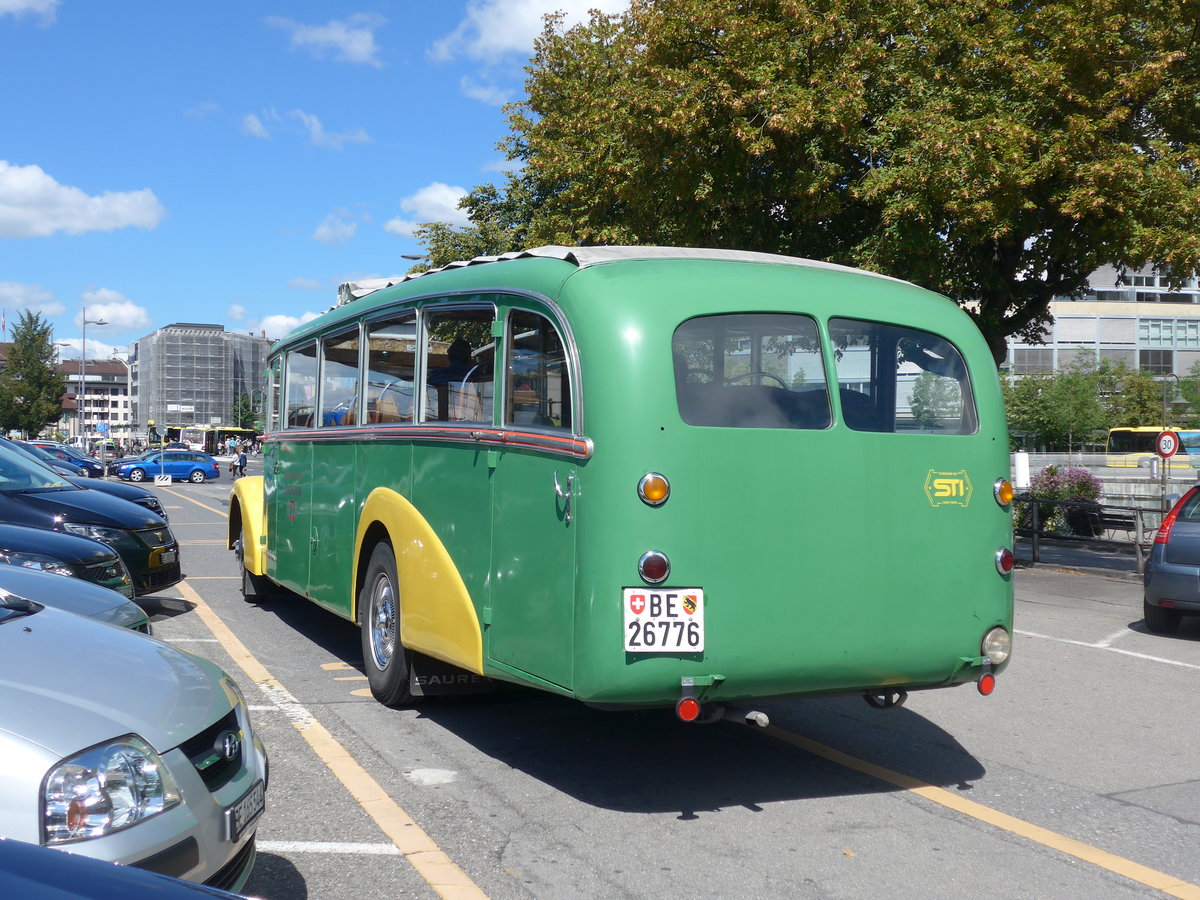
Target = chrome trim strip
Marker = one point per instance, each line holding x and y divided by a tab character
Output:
468	433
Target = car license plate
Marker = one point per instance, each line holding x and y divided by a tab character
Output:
167	557
664	620
245	812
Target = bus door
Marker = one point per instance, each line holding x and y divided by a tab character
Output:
534	507
289	473
451	477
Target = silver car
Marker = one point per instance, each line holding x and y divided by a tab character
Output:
80	597
124	748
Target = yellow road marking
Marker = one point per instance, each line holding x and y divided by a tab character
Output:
1160	881
211	509
431	863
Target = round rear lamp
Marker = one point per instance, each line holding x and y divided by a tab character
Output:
654	489
1002	490
688	709
987	684
654	567
1005	561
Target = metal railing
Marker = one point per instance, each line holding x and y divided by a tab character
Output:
1075	520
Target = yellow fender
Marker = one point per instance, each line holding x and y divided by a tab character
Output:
437	617
247	498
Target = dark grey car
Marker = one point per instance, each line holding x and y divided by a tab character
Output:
1172	576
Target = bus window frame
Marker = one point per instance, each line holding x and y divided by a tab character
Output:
503	370
298	351
325	339
438	306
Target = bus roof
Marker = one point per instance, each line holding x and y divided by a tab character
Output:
583	257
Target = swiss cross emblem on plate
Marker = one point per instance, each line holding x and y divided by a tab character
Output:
637	604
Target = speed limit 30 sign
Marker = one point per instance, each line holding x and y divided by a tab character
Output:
1166	444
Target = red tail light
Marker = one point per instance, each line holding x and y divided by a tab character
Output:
1164	530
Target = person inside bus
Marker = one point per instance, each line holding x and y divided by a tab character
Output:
459	365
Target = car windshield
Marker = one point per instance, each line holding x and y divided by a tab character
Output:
20	473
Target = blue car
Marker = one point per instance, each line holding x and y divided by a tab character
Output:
84	465
179	464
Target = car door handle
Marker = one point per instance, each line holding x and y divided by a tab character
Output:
565	496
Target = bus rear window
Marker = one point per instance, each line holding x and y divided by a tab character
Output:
892	378
759	370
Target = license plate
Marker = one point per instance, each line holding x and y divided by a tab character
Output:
245	812
167	557
664	620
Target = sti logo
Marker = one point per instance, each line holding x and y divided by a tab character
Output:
948	488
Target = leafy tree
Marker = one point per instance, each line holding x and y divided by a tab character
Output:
995	152
1061	410
1133	397
933	399
242	414
31	388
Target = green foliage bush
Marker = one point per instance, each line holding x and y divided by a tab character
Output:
1062	483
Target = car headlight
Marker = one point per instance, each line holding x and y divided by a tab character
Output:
110	536
105	789
38	561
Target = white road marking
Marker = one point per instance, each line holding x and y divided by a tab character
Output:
328	847
1101	646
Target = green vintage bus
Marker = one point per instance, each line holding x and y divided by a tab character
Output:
642	476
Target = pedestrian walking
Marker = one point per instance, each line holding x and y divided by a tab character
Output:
241	462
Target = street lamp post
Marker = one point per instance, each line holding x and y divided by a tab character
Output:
82	364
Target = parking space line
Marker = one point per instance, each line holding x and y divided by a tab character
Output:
212	509
1101	646
1118	865
430	862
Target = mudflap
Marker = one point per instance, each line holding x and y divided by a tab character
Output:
428	677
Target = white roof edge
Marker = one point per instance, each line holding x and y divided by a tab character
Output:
591	256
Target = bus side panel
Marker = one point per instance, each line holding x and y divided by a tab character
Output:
288	466
334	516
437	617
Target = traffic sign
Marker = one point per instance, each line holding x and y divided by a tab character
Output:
1166	444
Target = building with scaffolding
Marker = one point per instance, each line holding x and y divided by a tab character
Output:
192	374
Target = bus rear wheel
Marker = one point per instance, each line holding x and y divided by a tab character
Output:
385	659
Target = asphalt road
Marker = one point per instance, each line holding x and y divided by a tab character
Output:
1079	777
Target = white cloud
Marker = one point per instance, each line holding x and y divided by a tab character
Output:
347	40
277	326
305	284
435	202
17	8
253	126
236	312
32	204
334	229
31	297
495	30
321	138
489	93
114	308
202	110
95	349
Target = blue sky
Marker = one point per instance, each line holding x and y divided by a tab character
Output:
233	161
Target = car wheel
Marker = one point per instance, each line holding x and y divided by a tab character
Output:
254	587
197	477
137	475
384	657
1160	620
84	473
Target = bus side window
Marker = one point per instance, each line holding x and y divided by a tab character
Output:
300	383
339	378
459	356
391	364
537	382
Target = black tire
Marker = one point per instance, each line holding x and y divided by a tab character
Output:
1159	619
137	475
84	473
255	588
197	477
385	660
